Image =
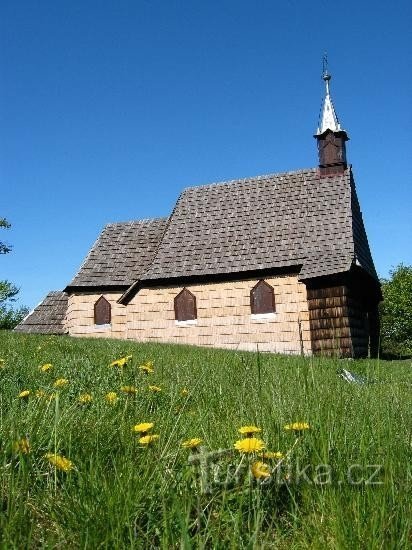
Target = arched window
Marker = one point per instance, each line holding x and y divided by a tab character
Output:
262	298
102	312
185	306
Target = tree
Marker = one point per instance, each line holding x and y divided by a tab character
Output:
9	316
4	248
396	311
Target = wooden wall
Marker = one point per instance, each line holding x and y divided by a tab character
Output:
224	318
343	321
80	316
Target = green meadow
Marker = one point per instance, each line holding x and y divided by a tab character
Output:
74	472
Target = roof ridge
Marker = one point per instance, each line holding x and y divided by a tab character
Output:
142	221
252	178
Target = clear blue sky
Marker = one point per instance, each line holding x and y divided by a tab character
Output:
109	109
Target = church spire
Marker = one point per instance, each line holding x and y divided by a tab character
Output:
329	119
330	136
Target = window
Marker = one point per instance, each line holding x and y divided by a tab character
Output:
102	312
185	306
262	298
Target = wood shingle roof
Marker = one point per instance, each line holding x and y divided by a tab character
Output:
280	220
48	317
121	254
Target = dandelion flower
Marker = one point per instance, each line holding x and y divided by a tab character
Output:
148	439
22	446
272	455
184	392
260	470
248	431
121	362
147	367
130	390
155	389
192	443
60	462
40	393
297	426
46	367
60	383
111	397
143	427
249	445
85	398
24	394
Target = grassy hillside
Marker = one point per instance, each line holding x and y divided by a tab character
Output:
343	483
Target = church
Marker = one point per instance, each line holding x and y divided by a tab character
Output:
279	263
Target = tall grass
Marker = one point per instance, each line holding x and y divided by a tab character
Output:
121	494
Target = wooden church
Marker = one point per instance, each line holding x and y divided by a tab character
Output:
279	263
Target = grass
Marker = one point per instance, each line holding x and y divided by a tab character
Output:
122	494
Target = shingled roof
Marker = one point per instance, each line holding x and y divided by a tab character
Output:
48	317
121	254
279	220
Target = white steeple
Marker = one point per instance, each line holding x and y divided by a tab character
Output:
328	119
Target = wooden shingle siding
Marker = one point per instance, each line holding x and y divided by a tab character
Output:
80	316
339	321
224	317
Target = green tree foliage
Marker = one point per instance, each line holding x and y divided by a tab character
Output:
4	248
9	315
396	311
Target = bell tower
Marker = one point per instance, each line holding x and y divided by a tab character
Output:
330	136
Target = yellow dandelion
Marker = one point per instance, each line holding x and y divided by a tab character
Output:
130	390
40	393
46	367
111	397
85	398
249	445
148	439
147	367
155	389
260	470
122	362
24	394
272	455
143	427
248	431
60	383
192	443
297	426
22	446
184	392
60	462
